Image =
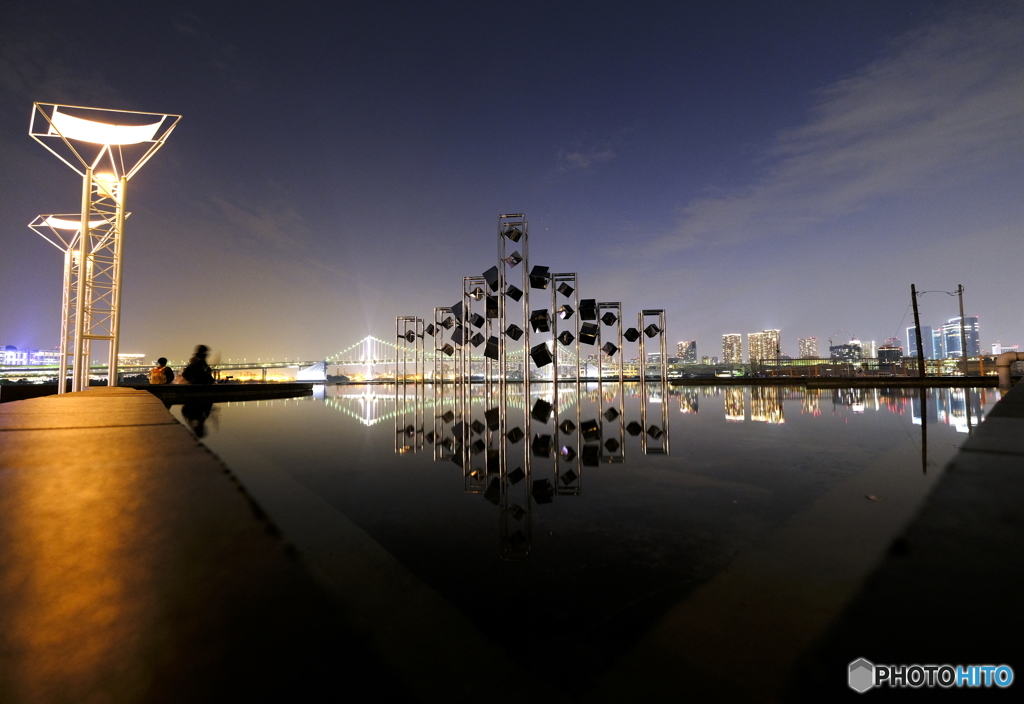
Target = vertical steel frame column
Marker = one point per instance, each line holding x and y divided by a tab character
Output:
513	228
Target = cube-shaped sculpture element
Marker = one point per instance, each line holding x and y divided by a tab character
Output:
539	277
862	675
477	447
541	410
513	233
611	415
591	430
631	334
612	445
634	428
540	321
430	329
566	426
458	336
565	289
514	331
477	427
491	277
541	446
516	475
655	432
608	318
447	323
591	455
588	333
513	260
492	417
491	350
477	340
541	355
492	306
515	435
476	294
447	416
568	455
409	336
570	476
514	292
588	309
459	430
566	338
609	349
565	312
542	486
651	330
457	311
448	350
476	320
493	493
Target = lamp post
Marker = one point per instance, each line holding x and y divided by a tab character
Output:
106	155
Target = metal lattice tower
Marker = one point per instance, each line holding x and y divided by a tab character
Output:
106	155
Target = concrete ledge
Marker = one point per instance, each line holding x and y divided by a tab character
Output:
136	570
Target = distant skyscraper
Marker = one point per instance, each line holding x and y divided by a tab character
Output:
869	349
951	336
687	351
850	352
808	348
927	342
763	345
732	348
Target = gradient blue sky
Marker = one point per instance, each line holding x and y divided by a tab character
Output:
744	165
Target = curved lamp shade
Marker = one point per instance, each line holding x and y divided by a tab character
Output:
100	132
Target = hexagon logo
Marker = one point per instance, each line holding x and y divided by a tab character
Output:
862	675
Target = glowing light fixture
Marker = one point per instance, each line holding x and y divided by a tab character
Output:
106	153
100	132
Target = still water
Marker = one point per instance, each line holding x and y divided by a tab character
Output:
577	519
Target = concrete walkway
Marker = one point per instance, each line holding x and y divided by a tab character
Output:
135	569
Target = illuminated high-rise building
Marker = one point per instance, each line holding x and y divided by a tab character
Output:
951	337
808	348
931	351
763	345
732	348
687	351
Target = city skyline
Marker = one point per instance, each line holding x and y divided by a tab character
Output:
745	167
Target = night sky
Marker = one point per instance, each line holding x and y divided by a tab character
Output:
744	165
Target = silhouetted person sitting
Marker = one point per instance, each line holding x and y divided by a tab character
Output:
161	373
198	371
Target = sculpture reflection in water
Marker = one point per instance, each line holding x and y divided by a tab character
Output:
527	445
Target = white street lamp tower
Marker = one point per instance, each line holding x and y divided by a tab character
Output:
106	152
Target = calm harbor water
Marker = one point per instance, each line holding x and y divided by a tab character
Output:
564	525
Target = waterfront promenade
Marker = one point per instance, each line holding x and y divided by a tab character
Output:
138	568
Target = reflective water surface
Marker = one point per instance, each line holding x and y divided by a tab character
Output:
566	523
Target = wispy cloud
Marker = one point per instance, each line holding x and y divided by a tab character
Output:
584	157
944	105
